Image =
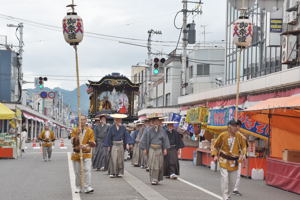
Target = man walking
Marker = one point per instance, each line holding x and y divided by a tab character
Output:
47	137
228	149
100	159
116	139
155	143
171	163
238	179
88	142
137	152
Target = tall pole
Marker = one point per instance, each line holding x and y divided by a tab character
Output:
184	46
73	34
149	77
79	118
238	71
148	69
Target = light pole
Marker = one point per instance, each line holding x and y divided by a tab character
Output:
73	34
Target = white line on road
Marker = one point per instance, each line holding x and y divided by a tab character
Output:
200	188
75	196
146	191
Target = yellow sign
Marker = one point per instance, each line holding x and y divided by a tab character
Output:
197	115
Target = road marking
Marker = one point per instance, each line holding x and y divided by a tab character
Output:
146	191
75	196
37	152
201	188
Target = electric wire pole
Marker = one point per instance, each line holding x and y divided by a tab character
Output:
149	63
184	46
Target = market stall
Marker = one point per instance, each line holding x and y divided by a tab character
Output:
196	118
8	142
283	116
255	132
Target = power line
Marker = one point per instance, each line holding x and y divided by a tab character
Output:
89	34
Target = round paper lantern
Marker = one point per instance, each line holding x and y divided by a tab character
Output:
242	32
73	28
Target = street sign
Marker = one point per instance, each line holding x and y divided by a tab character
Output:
51	95
43	94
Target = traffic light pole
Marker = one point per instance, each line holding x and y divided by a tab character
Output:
149	77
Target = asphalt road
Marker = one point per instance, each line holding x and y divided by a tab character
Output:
30	178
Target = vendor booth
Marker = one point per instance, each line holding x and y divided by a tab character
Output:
195	118
283	163
253	130
8	142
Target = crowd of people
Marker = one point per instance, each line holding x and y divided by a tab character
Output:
153	144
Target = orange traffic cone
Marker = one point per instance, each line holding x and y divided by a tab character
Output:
34	145
62	144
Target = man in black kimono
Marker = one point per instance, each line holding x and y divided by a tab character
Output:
100	157
171	163
116	139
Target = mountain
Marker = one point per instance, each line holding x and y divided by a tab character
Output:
70	97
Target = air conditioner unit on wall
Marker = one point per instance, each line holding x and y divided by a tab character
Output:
293	18
288	45
293	3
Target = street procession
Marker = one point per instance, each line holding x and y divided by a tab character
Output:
150	100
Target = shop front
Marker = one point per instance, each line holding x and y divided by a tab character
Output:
8	138
283	162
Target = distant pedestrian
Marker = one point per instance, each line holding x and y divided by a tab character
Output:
137	151
117	138
23	139
228	149
88	141
171	163
47	137
155	143
101	155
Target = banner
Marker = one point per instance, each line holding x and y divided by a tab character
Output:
176	118
221	117
197	115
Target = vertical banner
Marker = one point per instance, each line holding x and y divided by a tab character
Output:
176	118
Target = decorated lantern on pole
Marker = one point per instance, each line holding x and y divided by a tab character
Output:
73	33
242	32
72	27
242	38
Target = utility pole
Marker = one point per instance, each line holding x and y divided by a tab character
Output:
20	58
184	46
204	33
149	63
185	42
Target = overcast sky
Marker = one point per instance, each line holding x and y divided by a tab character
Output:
46	52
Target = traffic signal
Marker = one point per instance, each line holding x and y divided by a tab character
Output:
41	82
156	66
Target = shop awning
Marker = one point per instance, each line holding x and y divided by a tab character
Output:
5	112
283	113
29	116
283	117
